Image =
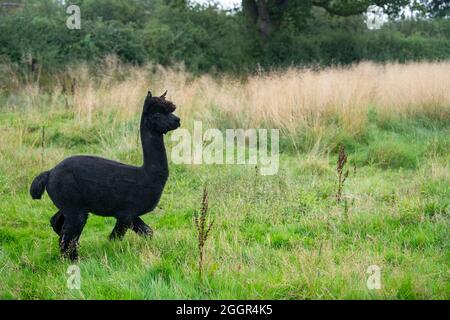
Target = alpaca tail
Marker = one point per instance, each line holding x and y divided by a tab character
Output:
38	185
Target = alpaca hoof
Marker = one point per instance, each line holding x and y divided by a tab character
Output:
72	255
114	236
145	231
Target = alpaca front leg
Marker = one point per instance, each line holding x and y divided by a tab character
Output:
121	227
141	228
71	231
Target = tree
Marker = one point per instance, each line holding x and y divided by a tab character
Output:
438	8
268	15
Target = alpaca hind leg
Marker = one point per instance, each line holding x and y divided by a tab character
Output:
74	223
141	228
57	222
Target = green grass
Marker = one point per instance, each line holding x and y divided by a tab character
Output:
281	236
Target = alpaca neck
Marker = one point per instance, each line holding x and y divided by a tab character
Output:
155	158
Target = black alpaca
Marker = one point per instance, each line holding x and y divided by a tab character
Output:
82	184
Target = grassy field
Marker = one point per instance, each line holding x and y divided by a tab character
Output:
282	236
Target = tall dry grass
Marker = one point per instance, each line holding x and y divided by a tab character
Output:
299	98
290	100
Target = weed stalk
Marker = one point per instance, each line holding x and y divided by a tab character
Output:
342	172
203	229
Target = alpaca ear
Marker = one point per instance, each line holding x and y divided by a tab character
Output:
147	102
164	95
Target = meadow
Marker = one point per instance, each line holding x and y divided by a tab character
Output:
284	236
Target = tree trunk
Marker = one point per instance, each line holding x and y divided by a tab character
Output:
258	11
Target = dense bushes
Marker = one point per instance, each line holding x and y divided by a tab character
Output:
45	38
397	41
205	39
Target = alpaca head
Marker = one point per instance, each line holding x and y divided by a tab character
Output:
158	114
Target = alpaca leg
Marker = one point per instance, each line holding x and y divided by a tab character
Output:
121	227
141	228
57	222
73	226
